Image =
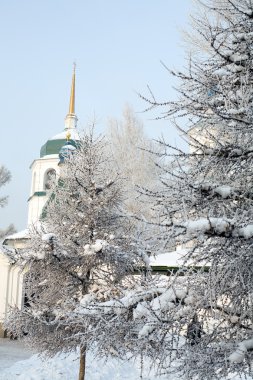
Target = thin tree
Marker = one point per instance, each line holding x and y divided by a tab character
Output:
130	148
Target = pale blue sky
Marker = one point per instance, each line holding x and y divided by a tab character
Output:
117	45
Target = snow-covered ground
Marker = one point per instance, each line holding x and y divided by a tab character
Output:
63	367
12	351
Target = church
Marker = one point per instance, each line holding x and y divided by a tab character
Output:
43	170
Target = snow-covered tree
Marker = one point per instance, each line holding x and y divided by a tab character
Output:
5	177
206	204
82	250
130	148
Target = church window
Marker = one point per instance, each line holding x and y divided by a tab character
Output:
49	179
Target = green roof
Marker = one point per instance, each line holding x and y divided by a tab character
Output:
54	146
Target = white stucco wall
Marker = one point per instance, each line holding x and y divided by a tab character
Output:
11	287
39	169
4	280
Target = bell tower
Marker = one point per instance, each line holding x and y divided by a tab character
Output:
46	168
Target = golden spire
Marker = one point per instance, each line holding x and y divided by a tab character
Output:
72	93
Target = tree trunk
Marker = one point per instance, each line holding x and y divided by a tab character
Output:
82	364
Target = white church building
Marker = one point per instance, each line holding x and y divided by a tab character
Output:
43	169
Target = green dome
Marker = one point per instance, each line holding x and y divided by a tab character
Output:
54	145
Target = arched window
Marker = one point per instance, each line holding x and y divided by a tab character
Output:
49	178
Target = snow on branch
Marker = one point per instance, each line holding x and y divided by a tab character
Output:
239	354
204	225
219	226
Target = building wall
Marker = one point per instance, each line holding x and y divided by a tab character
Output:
11	276
11	288
38	194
